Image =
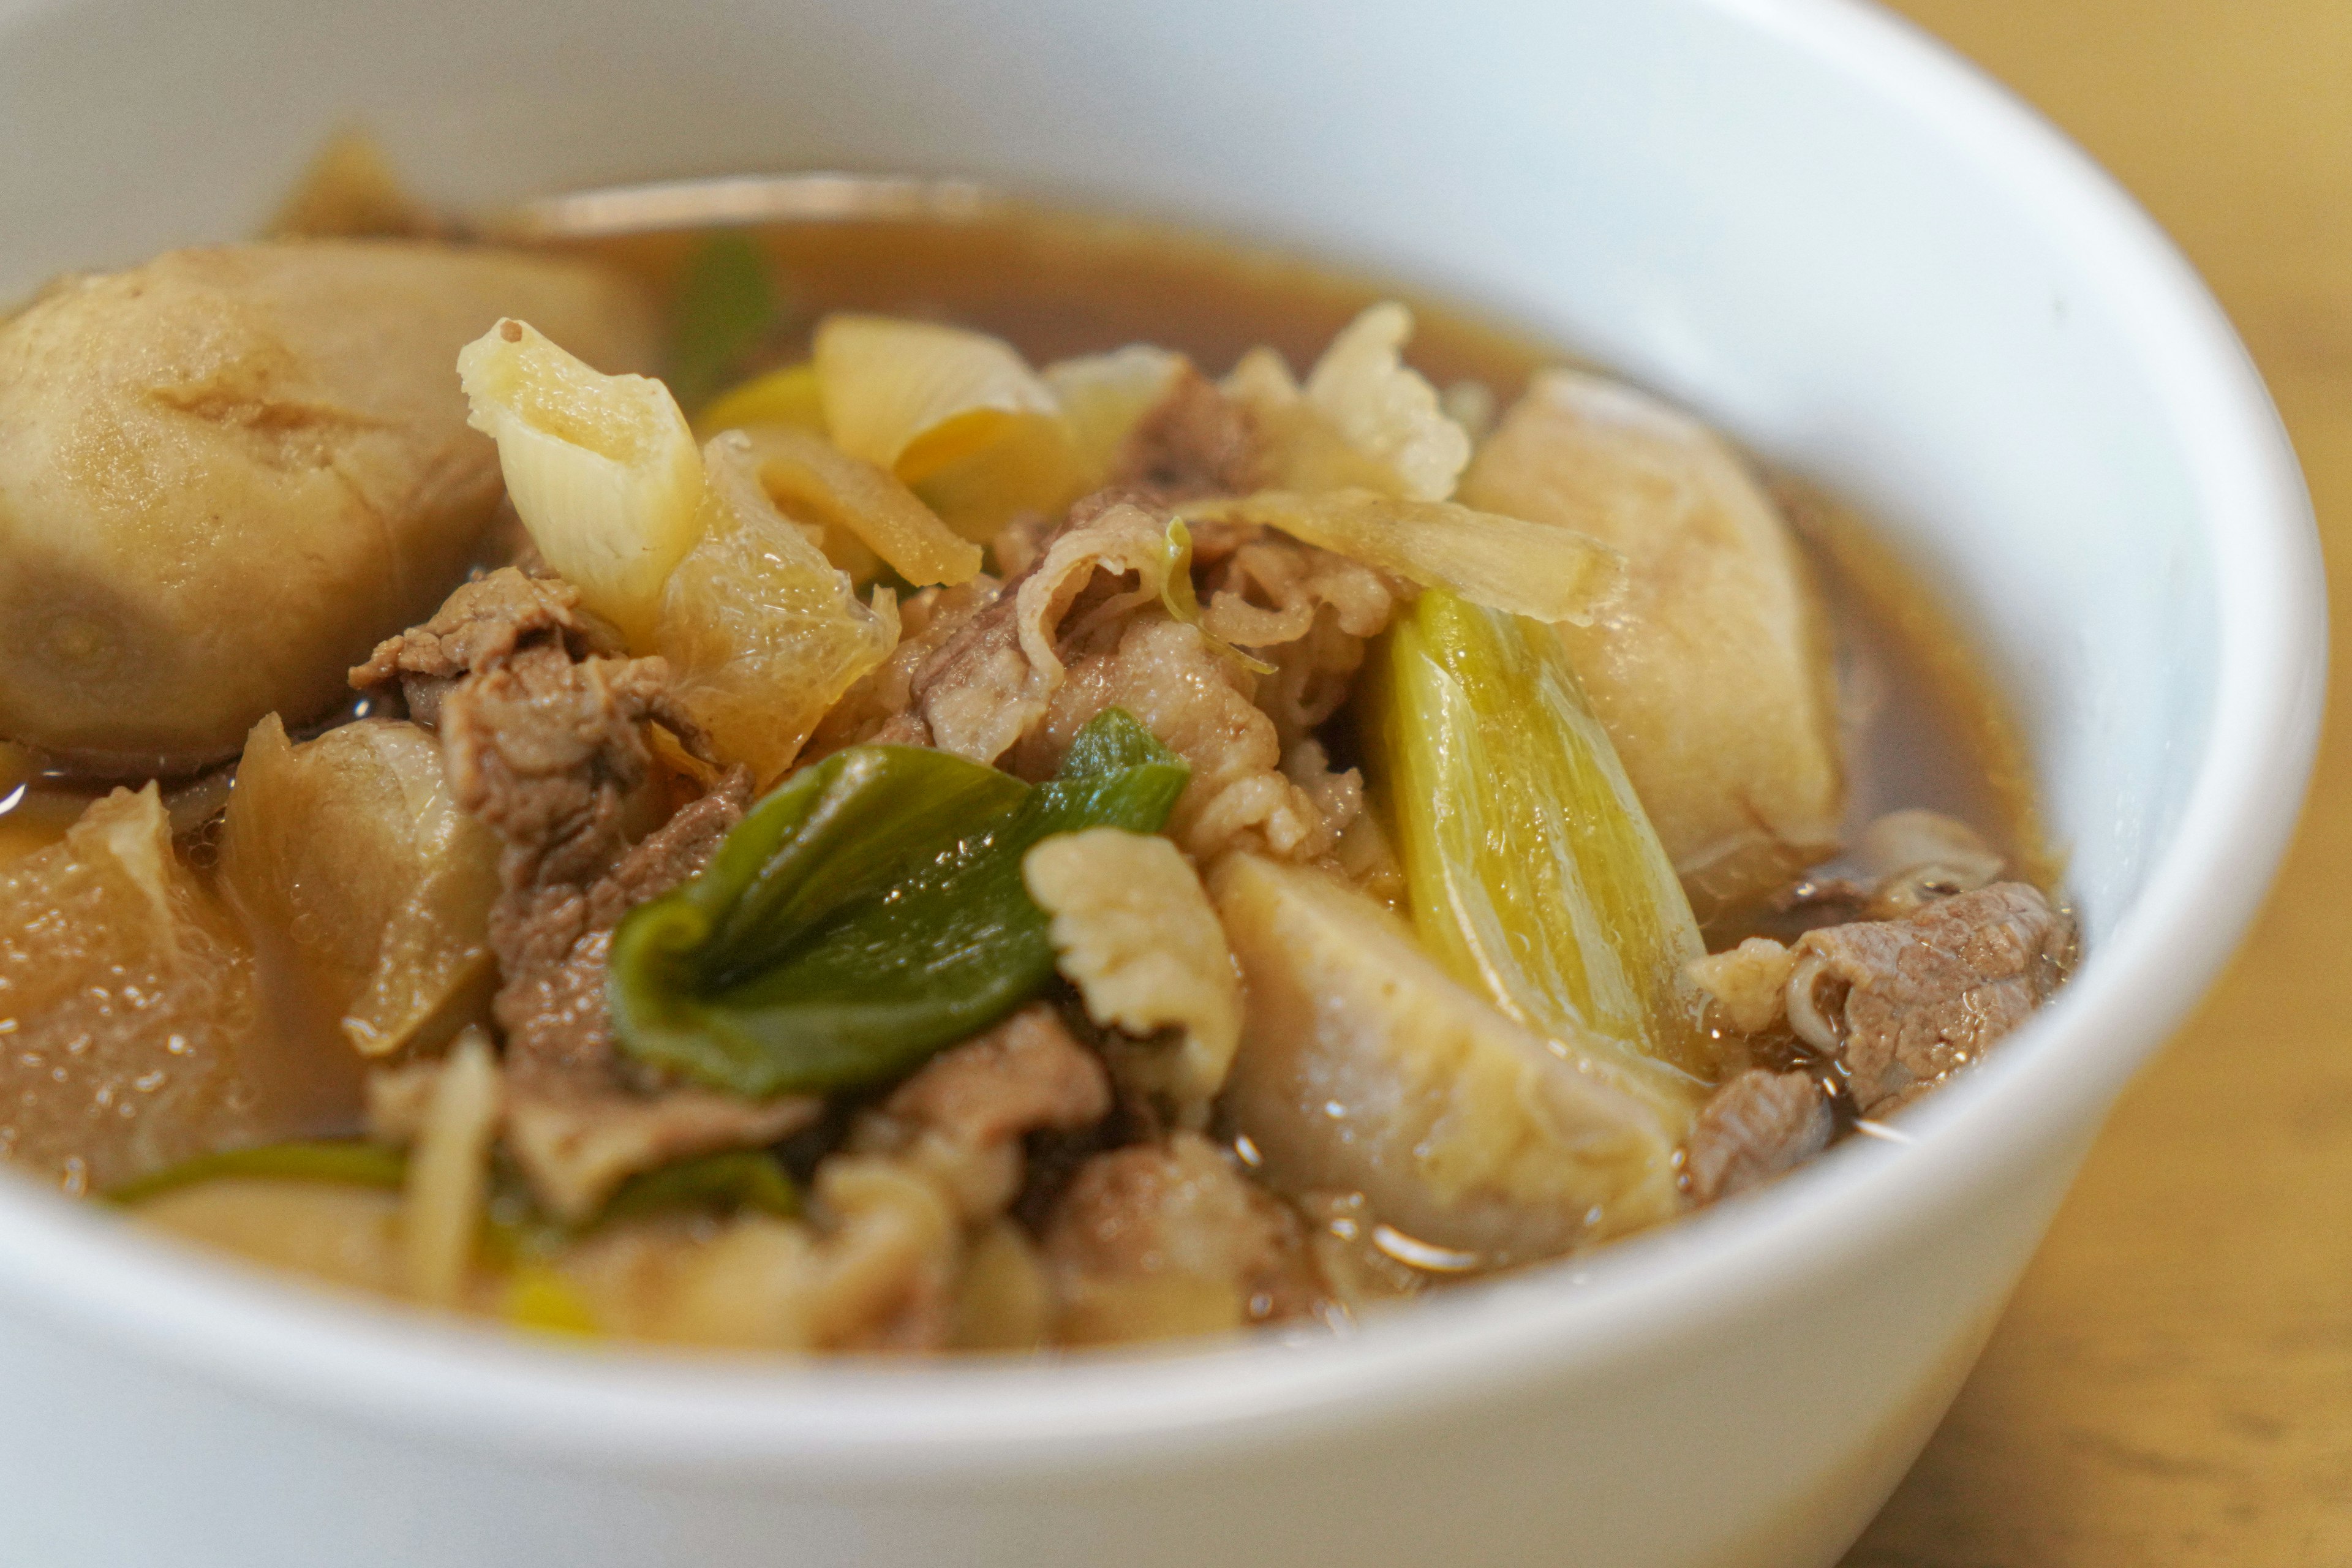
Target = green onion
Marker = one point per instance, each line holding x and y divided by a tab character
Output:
350	1162
735	1180
724	309
867	913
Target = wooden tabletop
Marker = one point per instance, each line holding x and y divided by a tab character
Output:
2173	1382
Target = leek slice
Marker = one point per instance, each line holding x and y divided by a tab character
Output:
348	1163
732	1180
1532	872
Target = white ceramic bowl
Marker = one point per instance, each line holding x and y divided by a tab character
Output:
1794	214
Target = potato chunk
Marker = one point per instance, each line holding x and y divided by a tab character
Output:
1711	673
224	475
1364	1067
351	858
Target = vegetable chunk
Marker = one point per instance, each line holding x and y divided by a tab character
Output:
867	913
224	475
1534	877
1711	671
125	994
351	852
1364	1066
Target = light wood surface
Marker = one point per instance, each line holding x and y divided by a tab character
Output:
2173	1382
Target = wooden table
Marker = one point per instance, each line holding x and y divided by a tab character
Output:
2173	1382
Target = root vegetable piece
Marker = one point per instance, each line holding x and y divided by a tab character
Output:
126	994
227	474
1364	1067
1711	671
351	852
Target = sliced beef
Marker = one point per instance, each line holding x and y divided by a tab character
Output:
483	624
1195	441
1199	702
1306	611
1907	1003
990	680
1758	1125
1158	1239
879	709
542	730
1025	1075
962	1118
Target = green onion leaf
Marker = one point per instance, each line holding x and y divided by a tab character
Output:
868	912
724	309
736	1180
350	1162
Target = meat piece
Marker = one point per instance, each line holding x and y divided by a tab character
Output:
1135	933
1195	441
551	939
225	473
993	679
1756	1126
878	708
1910	1002
484	623
1197	702
542	735
1157	1240
1307	611
963	1117
1269	591
580	1122
546	749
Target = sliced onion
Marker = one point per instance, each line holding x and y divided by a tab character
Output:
810	473
916	397
786	396
601	469
1523	568
763	632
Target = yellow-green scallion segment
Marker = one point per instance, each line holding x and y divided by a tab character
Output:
1532	872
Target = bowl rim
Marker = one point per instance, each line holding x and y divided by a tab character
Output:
863	1419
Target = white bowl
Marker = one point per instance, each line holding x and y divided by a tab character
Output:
1794	213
